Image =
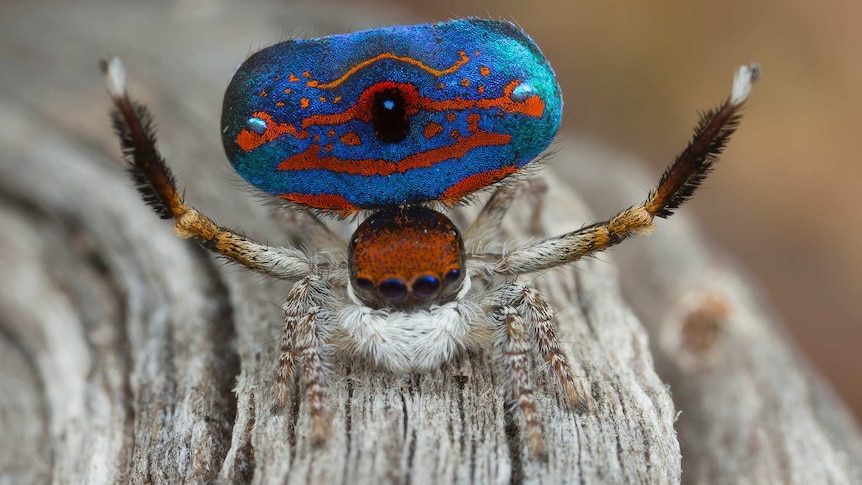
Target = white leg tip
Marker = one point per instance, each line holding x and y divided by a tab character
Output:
115	77
742	82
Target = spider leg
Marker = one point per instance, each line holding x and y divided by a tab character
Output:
311	228
540	315
677	185
156	184
514	342
287	360
527	323
306	315
486	227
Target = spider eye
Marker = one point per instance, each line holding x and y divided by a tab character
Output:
425	286
389	115
453	275
364	283
393	289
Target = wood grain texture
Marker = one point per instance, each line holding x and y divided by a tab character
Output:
130	355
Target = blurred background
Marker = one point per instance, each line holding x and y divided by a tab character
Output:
783	201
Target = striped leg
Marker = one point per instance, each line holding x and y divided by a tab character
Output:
158	188
305	317
540	317
516	350
287	360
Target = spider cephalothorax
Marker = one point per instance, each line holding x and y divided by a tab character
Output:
382	124
406	257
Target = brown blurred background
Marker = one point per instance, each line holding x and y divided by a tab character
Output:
635	74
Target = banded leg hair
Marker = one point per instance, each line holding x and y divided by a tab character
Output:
306	319
524	323
305	310
157	186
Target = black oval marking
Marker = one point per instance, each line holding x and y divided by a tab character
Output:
389	115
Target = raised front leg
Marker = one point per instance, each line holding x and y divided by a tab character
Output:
677	184
158	188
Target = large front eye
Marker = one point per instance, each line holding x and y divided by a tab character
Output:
389	115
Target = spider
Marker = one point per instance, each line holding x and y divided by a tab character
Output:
394	125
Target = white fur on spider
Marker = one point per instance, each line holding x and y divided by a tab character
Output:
416	340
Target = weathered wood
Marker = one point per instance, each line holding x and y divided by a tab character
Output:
128	354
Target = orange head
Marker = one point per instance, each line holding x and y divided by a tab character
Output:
404	257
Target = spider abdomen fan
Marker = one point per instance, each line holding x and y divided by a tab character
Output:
392	116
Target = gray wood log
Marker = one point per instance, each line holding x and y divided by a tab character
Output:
127	354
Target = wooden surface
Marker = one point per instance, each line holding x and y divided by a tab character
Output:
127	354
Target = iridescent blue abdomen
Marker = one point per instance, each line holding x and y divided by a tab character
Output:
392	116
